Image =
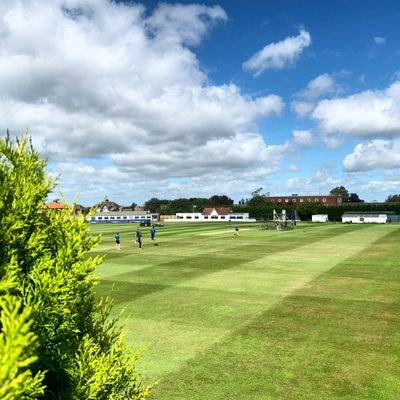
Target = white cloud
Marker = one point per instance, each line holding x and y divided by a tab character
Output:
321	182
302	108
100	80
303	138
237	154
186	24
278	55
320	86
379	40
368	114
332	142
376	154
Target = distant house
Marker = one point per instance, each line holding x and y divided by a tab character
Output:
79	209
55	205
108	206
130	208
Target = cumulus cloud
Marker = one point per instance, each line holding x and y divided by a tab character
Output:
322	85
376	154
379	187
379	40
303	138
302	108
184	23
366	114
97	79
278	55
321	182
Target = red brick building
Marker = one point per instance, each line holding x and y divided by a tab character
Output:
328	200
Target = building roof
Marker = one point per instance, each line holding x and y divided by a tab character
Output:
219	210
109	204
55	205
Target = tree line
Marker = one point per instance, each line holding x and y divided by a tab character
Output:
192	204
261	208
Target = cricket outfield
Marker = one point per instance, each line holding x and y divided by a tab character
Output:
312	313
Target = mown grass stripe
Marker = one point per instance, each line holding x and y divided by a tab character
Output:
308	346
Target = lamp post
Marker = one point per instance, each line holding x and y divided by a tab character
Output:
193	207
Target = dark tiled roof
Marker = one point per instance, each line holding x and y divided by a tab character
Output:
219	210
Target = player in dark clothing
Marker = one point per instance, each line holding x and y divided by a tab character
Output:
117	241
152	232
139	238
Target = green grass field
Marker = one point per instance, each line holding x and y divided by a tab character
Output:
312	313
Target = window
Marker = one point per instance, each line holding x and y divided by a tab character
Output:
324	200
223	217
301	200
286	200
105	217
196	217
188	217
214	217
279	200
294	200
239	217
125	217
206	217
112	217
316	200
98	217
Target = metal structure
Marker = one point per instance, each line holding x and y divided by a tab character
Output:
281	221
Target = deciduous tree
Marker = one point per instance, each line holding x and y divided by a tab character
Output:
393	198
340	191
220	200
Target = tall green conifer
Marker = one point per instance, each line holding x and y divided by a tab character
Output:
56	341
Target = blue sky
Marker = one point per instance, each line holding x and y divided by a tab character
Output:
137	100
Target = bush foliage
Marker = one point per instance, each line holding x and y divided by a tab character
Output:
56	341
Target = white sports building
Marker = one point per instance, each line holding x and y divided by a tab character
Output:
213	215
